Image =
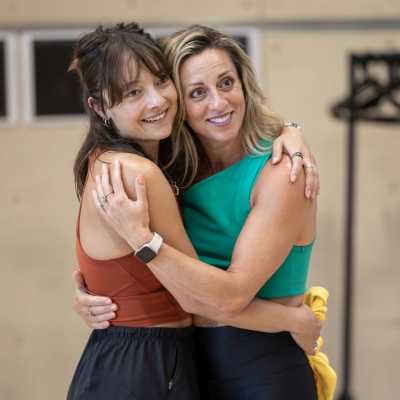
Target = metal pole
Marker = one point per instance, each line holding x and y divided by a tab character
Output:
348	273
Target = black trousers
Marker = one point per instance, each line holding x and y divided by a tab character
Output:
237	364
121	363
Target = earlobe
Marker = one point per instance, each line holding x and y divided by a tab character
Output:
93	105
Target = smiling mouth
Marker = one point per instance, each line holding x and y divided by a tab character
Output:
223	119
155	118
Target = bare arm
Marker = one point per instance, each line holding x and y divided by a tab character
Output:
189	288
275	222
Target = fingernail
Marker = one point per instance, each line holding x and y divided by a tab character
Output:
140	179
292	178
114	307
274	160
108	301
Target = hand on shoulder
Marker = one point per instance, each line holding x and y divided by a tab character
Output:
273	184
132	166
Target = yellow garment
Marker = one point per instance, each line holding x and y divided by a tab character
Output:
325	377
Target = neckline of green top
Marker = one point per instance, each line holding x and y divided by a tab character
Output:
218	173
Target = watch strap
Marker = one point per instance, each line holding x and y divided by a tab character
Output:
149	250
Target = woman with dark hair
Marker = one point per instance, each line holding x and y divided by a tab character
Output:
136	125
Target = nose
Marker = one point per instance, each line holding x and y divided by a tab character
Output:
218	101
154	98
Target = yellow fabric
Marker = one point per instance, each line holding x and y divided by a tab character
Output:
325	377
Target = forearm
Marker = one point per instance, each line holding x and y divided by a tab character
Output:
194	281
264	316
259	315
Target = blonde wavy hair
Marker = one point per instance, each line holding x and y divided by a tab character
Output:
260	124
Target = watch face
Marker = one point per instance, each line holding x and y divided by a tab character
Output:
145	254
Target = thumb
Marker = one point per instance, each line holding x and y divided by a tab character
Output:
277	150
78	279
140	186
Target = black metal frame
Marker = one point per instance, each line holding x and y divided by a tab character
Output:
353	110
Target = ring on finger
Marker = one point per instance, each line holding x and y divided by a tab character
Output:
90	313
298	154
311	166
102	204
106	195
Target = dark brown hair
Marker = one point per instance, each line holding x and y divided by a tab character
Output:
100	60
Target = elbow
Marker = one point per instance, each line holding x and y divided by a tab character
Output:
231	307
190	305
219	310
226	304
233	298
189	308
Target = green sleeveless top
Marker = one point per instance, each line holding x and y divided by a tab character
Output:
215	210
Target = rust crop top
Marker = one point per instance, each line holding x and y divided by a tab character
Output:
140	297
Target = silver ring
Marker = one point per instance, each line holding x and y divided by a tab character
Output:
90	314
105	196
102	203
311	166
298	154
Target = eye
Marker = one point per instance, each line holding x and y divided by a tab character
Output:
226	83
197	93
132	93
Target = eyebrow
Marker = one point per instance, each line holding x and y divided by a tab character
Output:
129	84
201	83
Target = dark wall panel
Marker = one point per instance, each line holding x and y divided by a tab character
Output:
3	103
57	91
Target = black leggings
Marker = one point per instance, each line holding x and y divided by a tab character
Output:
237	364
121	363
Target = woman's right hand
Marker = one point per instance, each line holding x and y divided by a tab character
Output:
308	329
96	311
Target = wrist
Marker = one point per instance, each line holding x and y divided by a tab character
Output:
149	249
141	238
291	124
296	320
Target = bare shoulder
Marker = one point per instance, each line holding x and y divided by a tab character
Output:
133	165
282	170
274	180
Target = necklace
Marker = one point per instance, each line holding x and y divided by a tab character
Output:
174	186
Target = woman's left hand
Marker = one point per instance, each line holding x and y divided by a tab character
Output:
292	141
129	218
308	330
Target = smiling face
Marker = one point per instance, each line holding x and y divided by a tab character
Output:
213	96
148	107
